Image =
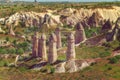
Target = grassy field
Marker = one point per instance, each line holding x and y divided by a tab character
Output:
102	70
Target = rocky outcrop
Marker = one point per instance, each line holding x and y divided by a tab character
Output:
71	66
107	26
87	17
91	17
114	33
11	32
79	34
32	19
94	20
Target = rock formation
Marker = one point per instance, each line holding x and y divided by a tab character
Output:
35	45
91	17
79	34
107	26
70	47
52	54
42	47
117	26
114	33
11	32
58	35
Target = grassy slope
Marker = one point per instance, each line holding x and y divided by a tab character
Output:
100	71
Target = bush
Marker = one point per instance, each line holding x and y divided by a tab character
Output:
3	51
3	63
52	70
89	32
104	54
23	69
12	51
113	60
20	51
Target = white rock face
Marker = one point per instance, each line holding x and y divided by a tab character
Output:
31	19
82	15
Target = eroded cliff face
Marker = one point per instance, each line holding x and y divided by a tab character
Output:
98	17
31	19
91	17
87	17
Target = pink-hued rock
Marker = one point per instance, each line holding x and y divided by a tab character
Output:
58	35
35	45
71	47
42	47
79	34
52	55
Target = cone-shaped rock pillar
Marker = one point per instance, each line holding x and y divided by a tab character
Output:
58	35
79	34
52	55
42	47
70	47
35	45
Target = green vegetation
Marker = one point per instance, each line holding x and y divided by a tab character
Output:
85	52
93	30
48	69
114	59
3	63
19	48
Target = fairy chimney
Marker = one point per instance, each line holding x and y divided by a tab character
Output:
35	45
70	47
52	55
42	47
79	34
58	35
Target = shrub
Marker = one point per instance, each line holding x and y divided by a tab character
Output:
23	69
3	51
104	54
20	51
89	32
113	60
3	63
12	51
118	57
7	39
52	70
